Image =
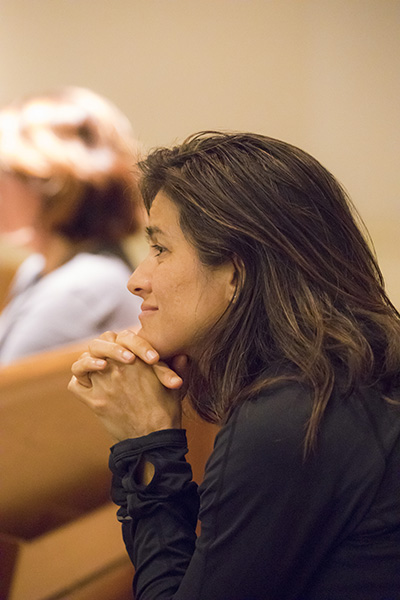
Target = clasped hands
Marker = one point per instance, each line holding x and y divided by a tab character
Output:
122	379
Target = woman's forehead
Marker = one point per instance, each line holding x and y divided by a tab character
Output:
164	216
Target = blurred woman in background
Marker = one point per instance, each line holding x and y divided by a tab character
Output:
68	191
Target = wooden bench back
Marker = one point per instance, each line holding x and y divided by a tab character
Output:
58	529
53	450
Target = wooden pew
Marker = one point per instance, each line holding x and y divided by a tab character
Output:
58	533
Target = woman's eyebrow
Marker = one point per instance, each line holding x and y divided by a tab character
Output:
152	231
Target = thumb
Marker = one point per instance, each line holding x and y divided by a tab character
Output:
181	366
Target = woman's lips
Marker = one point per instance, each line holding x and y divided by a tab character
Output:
147	310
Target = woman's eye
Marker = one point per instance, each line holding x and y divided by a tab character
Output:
158	249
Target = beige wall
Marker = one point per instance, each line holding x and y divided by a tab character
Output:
323	74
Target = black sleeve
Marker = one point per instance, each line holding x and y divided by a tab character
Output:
270	521
158	520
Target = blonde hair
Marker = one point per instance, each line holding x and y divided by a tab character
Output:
79	151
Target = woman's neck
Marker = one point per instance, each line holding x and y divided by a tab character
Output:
57	250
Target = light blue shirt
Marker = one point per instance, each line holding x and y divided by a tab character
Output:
81	299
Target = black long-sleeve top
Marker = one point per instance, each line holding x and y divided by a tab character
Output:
273	525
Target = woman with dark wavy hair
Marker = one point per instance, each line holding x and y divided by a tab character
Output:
265	307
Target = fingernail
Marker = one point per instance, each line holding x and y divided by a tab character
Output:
127	355
151	354
99	363
174	380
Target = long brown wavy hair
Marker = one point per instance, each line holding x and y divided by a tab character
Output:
310	299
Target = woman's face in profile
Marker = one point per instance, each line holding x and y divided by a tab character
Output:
182	298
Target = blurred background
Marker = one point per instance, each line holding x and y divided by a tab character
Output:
322	74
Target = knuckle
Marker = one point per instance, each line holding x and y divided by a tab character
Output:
75	369
91	347
125	335
99	406
108	335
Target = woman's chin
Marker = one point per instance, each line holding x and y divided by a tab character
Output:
165	351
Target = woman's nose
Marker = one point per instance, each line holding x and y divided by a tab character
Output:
139	282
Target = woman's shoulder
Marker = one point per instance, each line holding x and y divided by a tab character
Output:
261	447
275	423
278	407
95	265
83	280
85	272
28	271
276	418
